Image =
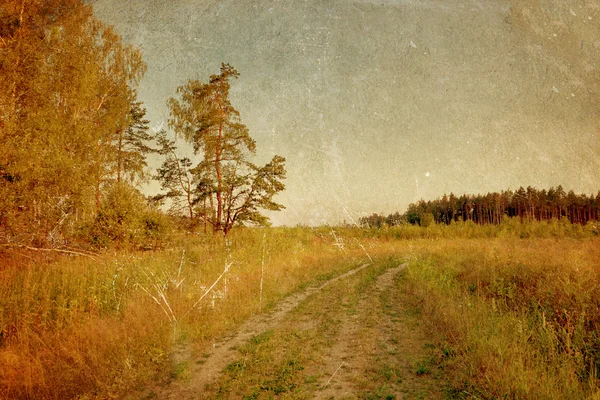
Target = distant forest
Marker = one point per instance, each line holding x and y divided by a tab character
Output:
491	208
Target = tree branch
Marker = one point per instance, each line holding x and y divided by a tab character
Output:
78	253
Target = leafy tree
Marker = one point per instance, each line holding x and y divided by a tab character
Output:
66	85
231	188
372	221
427	219
394	219
412	215
124	218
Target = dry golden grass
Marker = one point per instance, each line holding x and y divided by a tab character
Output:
512	314
512	318
98	328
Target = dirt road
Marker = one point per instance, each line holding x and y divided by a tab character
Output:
347	338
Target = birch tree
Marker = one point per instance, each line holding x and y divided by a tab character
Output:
66	85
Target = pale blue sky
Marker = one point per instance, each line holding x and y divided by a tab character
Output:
376	104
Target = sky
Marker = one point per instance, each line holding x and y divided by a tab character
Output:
377	104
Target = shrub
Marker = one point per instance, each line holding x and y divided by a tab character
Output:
427	220
125	219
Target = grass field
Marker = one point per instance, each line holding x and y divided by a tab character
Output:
509	311
74	325
512	318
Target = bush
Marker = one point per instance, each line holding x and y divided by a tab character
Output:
125	219
427	220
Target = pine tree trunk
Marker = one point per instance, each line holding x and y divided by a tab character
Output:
190	206
218	225
205	215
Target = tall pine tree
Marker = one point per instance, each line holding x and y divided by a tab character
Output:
230	188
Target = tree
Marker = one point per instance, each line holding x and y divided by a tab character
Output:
125	219
372	221
175	177
131	145
66	85
491	208
245	195
231	188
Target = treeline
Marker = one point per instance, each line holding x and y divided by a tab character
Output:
74	138
491	208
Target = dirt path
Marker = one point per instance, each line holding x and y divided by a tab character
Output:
346	358
225	351
348	338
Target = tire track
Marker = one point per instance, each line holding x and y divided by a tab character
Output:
344	361
225	351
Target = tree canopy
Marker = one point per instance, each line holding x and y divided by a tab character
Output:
74	137
67	91
490	208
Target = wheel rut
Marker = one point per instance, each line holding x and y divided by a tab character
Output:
345	360
225	351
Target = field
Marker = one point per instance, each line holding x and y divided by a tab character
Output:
459	311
